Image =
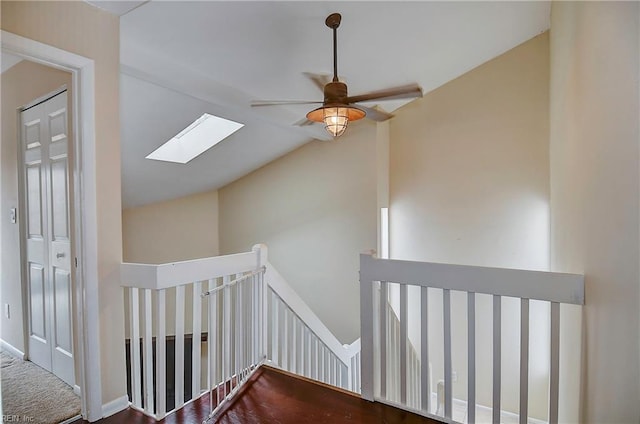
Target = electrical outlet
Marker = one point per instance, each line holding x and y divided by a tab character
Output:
13	215
7	311
454	376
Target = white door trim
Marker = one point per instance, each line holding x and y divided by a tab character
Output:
85	210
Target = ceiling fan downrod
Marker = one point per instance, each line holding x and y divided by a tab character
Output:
333	22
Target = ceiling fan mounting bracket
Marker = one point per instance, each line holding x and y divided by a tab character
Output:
333	20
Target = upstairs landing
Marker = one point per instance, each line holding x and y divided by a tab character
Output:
274	396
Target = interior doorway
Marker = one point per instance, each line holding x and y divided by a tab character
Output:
46	237
38	252
87	306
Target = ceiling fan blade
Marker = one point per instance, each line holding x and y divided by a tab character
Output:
319	80
404	92
303	122
283	102
375	114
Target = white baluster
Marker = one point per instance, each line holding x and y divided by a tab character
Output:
554	372
286	336
226	328
497	356
274	322
314	358
446	297
213	345
179	346
294	343
383	338
196	340
471	358
403	343
237	336
147	345
161	356
424	350
524	360
136	384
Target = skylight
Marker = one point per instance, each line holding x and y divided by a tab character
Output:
204	133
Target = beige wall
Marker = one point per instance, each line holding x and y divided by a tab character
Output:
316	210
175	230
21	84
469	184
171	231
594	192
80	28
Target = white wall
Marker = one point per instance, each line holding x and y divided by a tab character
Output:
469	184
594	192
316	210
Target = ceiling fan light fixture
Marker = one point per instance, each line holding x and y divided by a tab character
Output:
336	117
335	120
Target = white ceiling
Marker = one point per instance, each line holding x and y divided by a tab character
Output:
182	59
117	7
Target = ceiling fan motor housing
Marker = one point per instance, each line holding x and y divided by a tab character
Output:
335	92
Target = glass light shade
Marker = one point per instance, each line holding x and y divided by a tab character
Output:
335	117
335	120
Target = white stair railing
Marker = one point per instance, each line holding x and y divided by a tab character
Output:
214	321
389	376
300	343
165	304
236	337
554	288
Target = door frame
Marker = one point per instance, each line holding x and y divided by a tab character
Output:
86	305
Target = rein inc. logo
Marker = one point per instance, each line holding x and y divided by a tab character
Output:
17	419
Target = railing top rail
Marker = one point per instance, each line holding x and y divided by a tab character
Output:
235	281
538	285
162	276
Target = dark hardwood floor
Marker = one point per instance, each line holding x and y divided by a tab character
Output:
273	396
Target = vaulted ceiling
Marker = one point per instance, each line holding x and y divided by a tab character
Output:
182	59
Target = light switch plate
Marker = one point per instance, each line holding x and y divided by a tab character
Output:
13	215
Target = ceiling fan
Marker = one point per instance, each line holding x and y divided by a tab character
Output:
338	108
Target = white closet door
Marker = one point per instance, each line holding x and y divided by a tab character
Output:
48	238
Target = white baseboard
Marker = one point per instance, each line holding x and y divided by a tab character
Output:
76	390
72	419
7	347
115	406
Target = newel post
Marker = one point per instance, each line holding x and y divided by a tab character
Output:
366	328
261	252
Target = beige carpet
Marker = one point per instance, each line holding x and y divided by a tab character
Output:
33	395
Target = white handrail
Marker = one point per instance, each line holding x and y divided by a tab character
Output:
555	288
539	285
163	276
234	281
